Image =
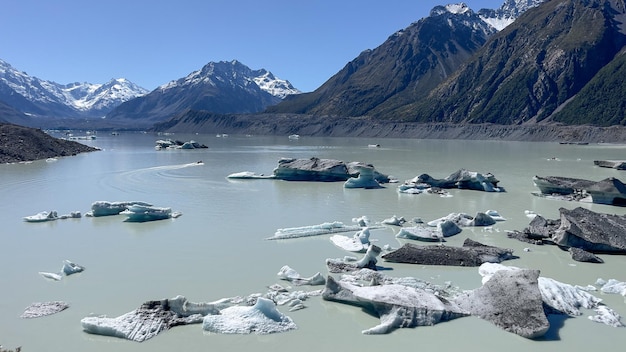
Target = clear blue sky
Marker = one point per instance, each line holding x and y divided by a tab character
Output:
153	42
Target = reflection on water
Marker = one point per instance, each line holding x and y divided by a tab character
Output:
217	248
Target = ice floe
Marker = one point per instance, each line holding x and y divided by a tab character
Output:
41	309
67	269
289	274
359	242
142	213
51	215
313	230
262	318
106	208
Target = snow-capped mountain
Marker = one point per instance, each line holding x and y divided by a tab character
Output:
507	13
37	97
218	87
235	73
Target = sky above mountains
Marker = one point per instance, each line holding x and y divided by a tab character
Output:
154	42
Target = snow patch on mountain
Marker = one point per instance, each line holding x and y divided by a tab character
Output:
498	19
507	13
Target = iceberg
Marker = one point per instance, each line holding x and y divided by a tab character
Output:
466	220
365	179
51	215
420	233
105	208
70	268
41	309
142	213
287	273
612	286
67	269
561	297
397	306
359	242
246	175
150	319
42	216
262	318
368	261
312	230
394	220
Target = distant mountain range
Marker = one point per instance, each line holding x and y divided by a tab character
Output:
45	99
528	62
219	87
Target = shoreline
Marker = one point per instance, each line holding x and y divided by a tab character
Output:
317	126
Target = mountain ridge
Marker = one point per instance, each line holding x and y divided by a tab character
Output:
46	99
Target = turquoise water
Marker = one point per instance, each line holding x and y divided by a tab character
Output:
217	248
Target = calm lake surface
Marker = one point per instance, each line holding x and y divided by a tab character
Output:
218	247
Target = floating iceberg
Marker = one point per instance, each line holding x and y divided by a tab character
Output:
246	175
41	309
420	233
312	230
51	215
67	269
287	273
104	208
70	268
142	213
342	265
366	178
466	220
394	220
262	318
562	297
150	319
397	306
359	242
42	216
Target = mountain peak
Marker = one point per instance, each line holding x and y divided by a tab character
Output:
456	9
235	72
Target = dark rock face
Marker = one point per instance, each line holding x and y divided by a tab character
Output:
18	143
511	300
471	254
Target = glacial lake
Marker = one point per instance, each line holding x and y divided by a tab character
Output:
218	247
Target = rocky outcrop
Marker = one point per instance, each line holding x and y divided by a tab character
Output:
18	143
472	253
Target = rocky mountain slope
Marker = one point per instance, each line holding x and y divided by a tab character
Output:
529	72
219	87
409	64
532	68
